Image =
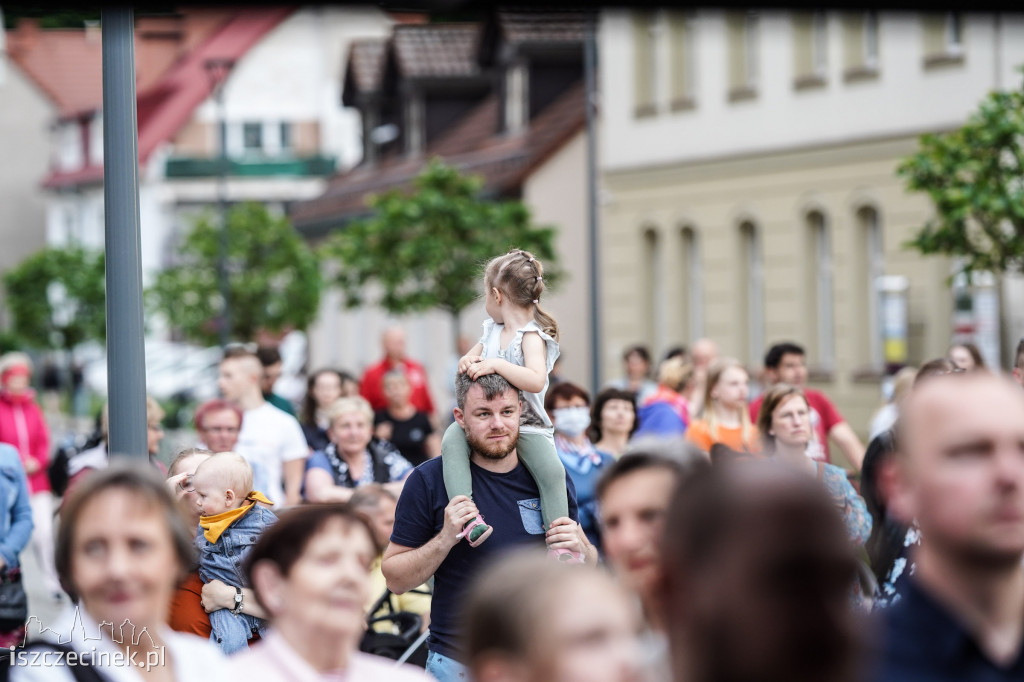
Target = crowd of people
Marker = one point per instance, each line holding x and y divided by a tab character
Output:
669	527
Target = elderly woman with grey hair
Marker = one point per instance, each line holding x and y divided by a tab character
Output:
353	457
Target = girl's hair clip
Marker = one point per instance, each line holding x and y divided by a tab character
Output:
536	301
531	259
539	278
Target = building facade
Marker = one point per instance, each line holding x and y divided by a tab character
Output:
284	125
501	98
25	139
749	181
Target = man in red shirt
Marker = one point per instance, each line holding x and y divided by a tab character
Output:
784	363
372	388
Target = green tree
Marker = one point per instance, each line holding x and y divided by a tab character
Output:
425	248
274	280
57	298
975	177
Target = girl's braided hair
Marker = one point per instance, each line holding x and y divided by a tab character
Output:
520	276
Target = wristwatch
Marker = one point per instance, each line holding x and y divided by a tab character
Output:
238	601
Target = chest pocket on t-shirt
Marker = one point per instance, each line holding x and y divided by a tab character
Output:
529	511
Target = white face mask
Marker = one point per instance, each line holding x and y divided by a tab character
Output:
572	421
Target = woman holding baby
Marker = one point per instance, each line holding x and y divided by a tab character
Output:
194	600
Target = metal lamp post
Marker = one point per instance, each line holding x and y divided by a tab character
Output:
218	69
126	352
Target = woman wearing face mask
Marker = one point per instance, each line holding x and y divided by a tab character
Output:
569	408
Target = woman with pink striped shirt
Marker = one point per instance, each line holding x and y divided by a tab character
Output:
23	426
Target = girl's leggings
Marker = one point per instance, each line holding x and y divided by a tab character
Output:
536	449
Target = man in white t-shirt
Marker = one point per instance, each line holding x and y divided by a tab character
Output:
270	439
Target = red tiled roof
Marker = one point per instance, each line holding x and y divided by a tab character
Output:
436	50
170	103
164	108
505	161
65	64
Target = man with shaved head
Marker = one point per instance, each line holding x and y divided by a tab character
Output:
757	574
270	440
958	472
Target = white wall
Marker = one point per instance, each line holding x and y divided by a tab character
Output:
556	193
295	73
905	98
25	141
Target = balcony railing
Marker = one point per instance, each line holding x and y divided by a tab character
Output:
308	166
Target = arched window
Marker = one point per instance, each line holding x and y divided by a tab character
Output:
693	285
820	312
870	266
752	290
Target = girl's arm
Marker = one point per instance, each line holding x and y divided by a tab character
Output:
530	378
469	358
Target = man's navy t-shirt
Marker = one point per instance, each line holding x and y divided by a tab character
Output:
509	503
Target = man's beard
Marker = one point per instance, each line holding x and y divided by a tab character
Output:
492	451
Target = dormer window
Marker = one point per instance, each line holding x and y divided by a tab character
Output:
516	97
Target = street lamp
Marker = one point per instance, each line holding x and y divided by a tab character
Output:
217	70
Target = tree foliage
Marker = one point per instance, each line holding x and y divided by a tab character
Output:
975	178
57	297
274	280
425	248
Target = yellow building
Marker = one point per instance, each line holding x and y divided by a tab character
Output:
749	187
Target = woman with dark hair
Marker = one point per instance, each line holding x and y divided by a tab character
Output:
568	405
122	549
613	421
637	362
311	573
889	546
322	389
966	356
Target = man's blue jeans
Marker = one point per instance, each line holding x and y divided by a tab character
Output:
446	669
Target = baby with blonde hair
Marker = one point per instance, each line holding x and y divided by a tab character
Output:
233	518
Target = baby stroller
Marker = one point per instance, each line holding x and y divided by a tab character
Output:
404	643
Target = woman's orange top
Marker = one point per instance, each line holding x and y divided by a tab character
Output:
699	434
187	613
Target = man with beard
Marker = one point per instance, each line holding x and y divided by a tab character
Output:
427	534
